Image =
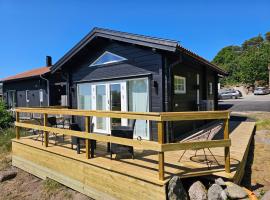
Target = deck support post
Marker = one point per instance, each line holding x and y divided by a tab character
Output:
87	141
227	149
46	134
17	129
161	154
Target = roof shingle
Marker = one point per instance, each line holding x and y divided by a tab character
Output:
31	73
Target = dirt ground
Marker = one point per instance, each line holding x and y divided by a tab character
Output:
28	187
257	174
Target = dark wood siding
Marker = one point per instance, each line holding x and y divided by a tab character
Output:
189	69
141	62
33	85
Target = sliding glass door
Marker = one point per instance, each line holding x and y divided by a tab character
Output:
138	101
123	95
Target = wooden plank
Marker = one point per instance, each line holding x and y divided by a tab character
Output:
46	134
93	181
227	149
161	154
87	141
195	145
17	129
196	115
143	144
112	114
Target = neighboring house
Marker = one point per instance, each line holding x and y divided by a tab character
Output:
112	70
33	88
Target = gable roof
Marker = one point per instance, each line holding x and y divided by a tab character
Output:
152	42
28	74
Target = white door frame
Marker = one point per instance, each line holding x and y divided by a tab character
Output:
124	102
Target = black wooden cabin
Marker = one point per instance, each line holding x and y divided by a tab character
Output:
112	70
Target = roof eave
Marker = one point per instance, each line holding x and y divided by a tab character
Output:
168	45
204	61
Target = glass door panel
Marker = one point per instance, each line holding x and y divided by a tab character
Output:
115	102
138	101
101	104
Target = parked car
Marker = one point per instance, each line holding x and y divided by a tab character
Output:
261	91
230	94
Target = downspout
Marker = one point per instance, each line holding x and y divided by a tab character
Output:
48	89
169	101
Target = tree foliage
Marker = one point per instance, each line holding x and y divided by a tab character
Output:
247	63
5	117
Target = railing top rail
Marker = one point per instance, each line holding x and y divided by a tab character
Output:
153	116
194	115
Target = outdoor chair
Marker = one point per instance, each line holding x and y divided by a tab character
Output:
124	132
206	133
52	122
77	140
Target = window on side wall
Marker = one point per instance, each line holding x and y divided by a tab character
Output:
27	96
210	88
179	85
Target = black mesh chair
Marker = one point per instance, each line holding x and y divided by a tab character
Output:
52	122
124	132
77	140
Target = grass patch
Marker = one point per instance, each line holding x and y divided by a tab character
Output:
263	124
51	185
5	138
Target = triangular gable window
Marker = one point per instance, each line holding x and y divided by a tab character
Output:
106	58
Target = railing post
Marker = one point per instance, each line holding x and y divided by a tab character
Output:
87	141
17	129
46	134
161	154
227	149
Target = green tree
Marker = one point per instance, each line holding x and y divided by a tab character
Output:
5	117
267	36
253	42
246	64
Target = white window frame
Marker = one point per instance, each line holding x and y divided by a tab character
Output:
27	96
41	96
177	91
109	62
210	88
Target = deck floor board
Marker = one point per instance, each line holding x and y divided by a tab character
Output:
145	164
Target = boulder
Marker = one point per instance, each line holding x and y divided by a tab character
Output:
215	192
266	196
6	175
197	191
176	191
220	182
234	191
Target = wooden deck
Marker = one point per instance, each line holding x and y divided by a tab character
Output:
125	178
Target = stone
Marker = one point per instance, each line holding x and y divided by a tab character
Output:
215	193
176	190
220	182
266	196
234	191
197	191
223	195
6	175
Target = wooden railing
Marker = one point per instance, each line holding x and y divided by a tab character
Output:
160	146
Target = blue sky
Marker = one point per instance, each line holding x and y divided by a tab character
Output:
32	29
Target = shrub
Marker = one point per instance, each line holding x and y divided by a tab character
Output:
5	117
